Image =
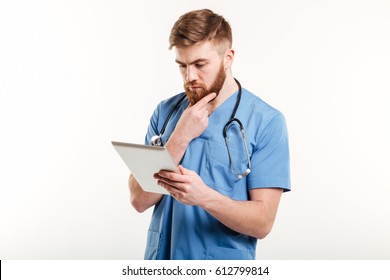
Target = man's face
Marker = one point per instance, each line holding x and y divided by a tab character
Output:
202	69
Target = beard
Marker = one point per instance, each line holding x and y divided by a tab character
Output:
201	90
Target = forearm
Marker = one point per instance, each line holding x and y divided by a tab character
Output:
192	123
247	217
140	199
177	146
254	217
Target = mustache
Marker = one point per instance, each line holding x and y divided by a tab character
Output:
193	84
194	95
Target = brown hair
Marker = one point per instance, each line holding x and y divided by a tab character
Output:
198	26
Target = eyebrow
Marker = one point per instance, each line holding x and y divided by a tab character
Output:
193	62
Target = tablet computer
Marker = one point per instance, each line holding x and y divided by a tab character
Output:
144	161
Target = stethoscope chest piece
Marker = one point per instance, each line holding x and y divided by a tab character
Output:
156	140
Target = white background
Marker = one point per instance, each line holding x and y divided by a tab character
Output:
75	75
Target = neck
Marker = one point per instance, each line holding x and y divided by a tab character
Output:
228	89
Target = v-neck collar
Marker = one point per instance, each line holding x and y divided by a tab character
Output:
226	107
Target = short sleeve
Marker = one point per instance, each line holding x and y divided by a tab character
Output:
270	161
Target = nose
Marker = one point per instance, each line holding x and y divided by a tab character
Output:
191	74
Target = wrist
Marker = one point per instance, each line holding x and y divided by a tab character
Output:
178	141
177	146
211	200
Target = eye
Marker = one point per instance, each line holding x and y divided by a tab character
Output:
182	66
199	65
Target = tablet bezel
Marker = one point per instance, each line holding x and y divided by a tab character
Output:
143	161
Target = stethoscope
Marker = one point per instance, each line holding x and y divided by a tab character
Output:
156	139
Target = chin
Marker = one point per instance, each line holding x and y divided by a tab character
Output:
194	97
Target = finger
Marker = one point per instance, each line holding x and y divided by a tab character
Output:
174	192
176	184
165	185
172	187
184	171
181	169
204	101
165	173
161	181
168	175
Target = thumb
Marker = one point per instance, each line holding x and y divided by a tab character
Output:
183	170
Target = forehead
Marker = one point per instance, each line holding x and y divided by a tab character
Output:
203	50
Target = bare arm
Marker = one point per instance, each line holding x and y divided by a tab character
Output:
192	123
254	217
140	199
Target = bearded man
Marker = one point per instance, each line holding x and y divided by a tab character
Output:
228	190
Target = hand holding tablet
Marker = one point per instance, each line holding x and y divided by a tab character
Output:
144	161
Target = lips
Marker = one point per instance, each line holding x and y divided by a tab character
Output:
193	87
194	91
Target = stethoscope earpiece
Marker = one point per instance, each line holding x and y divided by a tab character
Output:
246	173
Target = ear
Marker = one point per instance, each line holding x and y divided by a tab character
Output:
228	58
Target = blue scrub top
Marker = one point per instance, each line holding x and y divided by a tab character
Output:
179	231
